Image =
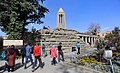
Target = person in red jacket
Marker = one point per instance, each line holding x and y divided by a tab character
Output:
11	58
37	55
53	53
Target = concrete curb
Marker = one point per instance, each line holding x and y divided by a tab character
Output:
85	68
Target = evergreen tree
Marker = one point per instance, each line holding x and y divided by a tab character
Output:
15	15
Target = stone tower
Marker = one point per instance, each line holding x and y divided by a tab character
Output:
61	21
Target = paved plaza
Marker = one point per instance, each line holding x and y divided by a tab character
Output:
61	67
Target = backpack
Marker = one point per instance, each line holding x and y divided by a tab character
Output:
3	55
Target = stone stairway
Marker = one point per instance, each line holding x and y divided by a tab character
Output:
68	38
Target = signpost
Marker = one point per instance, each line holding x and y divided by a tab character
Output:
12	42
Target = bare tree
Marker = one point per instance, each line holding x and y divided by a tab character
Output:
94	28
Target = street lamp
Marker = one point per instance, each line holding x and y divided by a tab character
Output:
41	38
108	56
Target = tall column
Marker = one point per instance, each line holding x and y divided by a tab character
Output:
61	20
86	39
82	38
91	40
94	40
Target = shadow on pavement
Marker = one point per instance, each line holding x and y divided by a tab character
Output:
35	69
1	69
28	66
65	68
18	65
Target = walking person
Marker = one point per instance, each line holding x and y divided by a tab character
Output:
78	47
53	53
37	55
4	54
23	53
43	50
60	52
11	54
28	49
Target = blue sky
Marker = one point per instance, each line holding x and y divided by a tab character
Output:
81	13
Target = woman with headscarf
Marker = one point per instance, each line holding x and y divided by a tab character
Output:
53	53
11	54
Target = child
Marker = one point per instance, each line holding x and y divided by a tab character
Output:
53	53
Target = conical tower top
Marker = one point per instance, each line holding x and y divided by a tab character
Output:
60	10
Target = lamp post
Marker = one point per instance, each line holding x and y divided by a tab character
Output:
41	38
108	56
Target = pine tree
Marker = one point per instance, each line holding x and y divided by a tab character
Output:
15	15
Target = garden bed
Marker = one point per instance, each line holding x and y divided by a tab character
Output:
97	62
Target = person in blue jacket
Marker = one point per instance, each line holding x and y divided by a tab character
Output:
78	47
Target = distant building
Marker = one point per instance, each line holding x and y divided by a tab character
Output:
102	35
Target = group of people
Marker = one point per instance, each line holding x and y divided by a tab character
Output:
26	53
54	54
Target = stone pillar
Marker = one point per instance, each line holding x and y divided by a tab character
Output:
91	40
94	40
85	39
82	38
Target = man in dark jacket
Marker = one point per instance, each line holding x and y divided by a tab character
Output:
60	52
23	53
